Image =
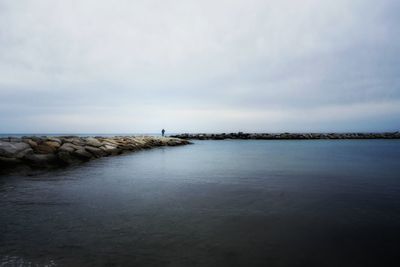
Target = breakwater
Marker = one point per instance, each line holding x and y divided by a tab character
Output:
288	136
64	150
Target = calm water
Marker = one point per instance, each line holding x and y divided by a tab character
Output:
215	203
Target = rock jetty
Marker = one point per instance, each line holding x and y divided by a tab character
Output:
65	150
288	136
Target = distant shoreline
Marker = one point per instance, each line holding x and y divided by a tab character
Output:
287	136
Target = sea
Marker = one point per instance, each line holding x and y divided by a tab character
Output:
214	203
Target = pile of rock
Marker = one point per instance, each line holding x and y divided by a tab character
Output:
289	136
64	150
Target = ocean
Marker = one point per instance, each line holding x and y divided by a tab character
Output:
213	203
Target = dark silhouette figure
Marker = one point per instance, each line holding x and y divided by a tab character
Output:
162	132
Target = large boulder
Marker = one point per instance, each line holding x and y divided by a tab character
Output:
69	147
54	139
14	149
110	150
97	152
82	154
90	141
30	142
66	157
76	141
53	144
45	148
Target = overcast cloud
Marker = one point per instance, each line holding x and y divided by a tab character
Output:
96	66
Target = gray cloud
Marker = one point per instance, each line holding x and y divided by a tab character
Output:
137	66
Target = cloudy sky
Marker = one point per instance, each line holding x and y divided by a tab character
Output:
92	66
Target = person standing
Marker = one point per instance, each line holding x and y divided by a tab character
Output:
162	132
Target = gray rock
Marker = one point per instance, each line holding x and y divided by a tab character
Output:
53	139
82	154
110	150
14	149
46	148
93	142
31	142
76	141
66	157
97	152
69	147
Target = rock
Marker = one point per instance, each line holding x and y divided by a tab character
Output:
69	147
138	142
53	144
82	154
110	142
44	148
93	142
32	143
54	139
75	140
288	136
97	152
14	149
110	150
66	157
13	139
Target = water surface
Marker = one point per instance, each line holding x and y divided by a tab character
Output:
215	203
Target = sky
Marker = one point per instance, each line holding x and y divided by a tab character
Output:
94	66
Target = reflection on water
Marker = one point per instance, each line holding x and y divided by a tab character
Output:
215	203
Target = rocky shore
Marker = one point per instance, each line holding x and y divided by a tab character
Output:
288	136
65	150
